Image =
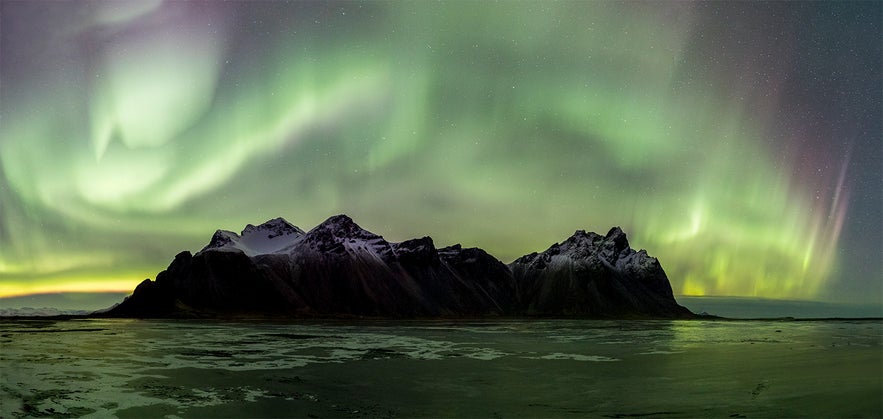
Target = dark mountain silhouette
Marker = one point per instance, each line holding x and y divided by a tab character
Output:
338	269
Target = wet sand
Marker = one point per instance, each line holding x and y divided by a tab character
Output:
567	368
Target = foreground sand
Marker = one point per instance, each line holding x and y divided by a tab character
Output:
567	368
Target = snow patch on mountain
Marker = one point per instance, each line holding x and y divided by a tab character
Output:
340	234
273	236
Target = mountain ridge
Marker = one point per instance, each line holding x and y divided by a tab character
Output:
338	269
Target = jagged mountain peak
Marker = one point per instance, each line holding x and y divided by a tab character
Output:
274	228
416	249
615	240
341	226
581	237
583	246
272	236
338	221
618	238
422	243
340	235
220	239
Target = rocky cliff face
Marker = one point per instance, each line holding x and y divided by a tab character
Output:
594	276
340	269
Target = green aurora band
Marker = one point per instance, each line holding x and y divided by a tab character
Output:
136	129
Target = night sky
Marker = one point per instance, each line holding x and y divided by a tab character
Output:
738	142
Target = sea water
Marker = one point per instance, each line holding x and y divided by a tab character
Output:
507	368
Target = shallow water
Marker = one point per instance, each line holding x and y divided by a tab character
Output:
560	368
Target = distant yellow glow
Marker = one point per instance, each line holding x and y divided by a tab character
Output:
57	285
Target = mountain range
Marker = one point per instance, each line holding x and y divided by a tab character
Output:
338	269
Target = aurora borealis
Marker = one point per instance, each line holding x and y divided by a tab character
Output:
740	143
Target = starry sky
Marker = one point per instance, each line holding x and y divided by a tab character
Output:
738	142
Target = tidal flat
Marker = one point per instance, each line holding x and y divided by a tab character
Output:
489	368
